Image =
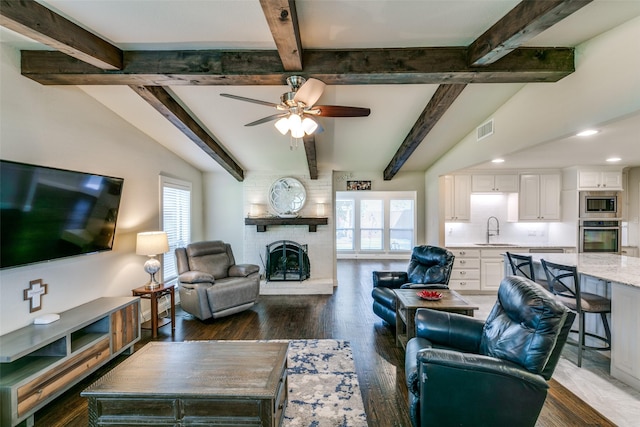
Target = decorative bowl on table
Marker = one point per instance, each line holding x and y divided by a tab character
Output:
430	295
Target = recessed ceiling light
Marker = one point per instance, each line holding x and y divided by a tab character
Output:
613	159
587	132
497	161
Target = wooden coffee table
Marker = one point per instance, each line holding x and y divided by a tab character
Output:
194	383
408	302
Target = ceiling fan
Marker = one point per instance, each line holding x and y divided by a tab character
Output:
297	108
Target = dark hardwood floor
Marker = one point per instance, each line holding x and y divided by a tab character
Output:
344	315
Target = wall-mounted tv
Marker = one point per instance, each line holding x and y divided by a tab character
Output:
48	213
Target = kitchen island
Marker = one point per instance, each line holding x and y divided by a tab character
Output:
618	277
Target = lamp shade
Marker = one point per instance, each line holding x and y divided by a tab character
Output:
152	243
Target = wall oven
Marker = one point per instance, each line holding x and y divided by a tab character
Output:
600	236
599	204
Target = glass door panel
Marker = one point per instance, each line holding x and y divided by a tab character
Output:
371	224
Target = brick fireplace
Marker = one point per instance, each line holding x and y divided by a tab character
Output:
320	244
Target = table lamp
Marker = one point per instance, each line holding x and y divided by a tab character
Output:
152	243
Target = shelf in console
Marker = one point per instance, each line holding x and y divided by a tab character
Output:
262	223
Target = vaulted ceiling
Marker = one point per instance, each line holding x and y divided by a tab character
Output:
431	71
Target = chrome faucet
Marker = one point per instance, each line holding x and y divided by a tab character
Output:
489	231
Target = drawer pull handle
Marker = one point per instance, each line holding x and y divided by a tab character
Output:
463	283
463	261
463	272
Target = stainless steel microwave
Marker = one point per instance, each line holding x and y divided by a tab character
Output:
599	204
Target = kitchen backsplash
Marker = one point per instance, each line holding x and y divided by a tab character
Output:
475	231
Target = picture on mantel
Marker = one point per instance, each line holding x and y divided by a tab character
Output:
358	185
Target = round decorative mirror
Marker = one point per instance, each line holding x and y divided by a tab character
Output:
287	197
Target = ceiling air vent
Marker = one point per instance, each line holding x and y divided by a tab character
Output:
484	130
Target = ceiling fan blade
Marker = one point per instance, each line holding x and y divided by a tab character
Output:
267	119
255	101
309	92
340	111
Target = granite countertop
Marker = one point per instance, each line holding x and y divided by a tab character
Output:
502	245
615	268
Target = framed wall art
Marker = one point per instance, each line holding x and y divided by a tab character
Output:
358	185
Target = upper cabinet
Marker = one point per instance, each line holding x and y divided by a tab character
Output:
457	195
599	180
494	183
539	198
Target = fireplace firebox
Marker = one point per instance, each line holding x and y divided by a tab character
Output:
287	261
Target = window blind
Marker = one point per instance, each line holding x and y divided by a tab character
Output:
176	221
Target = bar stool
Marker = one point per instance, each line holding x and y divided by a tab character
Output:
565	284
522	265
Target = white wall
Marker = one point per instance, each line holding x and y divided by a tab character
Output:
224	215
65	128
604	86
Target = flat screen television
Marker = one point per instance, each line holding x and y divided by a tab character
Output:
48	213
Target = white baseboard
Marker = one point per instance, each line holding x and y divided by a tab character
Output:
406	256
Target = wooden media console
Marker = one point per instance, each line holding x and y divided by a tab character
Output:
40	362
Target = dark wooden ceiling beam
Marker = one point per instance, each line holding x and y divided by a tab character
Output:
528	19
525	21
333	67
439	103
282	18
310	151
32	20
165	104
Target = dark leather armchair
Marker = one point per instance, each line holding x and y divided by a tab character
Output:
462	371
211	283
429	267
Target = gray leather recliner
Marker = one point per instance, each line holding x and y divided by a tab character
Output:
212	285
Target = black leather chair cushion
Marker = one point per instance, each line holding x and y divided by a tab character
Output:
389	279
384	296
431	265
523	325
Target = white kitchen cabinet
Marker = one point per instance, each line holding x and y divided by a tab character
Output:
539	197
494	183
625	322
491	269
599	180
457	194
465	275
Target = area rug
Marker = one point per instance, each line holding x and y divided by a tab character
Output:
323	385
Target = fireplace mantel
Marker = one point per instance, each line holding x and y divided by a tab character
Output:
262	223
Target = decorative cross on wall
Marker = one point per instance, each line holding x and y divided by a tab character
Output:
34	294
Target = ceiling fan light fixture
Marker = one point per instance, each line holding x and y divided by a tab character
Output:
297	133
309	125
295	126
282	125
295	121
